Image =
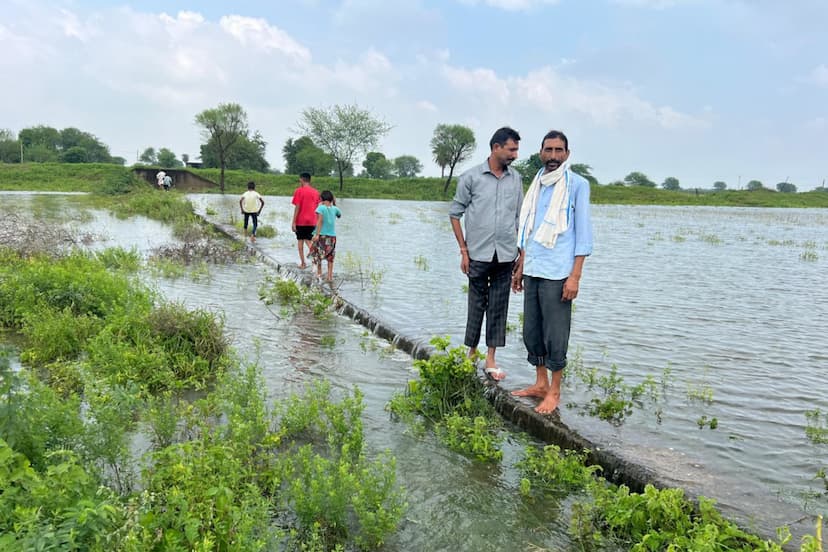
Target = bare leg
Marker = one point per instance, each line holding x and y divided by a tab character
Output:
553	397
301	246
490	357
472	353
540	388
330	271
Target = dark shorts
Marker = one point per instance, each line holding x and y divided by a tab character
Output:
304	232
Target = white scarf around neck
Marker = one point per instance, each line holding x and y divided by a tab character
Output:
556	218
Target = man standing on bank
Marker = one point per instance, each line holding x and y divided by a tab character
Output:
489	195
554	237
305	200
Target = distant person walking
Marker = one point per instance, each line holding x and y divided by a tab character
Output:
555	237
251	203
305	199
324	237
159	178
489	197
167	181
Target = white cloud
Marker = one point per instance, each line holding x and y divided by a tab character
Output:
256	33
426	105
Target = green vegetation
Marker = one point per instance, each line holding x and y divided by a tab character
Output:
94	177
449	396
816	428
105	358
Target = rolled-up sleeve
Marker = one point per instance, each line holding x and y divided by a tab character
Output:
462	197
583	221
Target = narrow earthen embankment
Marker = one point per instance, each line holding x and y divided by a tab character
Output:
183	180
633	466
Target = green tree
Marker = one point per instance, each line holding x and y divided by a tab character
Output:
343	131
584	170
719	186
246	154
302	155
786	187
149	157
671	183
636	178
407	166
222	127
376	165
451	145
528	168
96	151
40	153
75	154
755	185
47	137
9	147
166	158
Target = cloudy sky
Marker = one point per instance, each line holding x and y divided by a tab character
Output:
702	90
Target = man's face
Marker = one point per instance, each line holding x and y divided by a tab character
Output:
506	153
553	153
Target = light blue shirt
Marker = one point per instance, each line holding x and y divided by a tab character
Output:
555	263
329	216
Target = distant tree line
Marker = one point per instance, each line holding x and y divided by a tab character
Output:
330	141
44	144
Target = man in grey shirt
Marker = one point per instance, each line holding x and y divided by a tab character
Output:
489	195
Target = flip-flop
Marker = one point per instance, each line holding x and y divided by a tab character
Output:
493	371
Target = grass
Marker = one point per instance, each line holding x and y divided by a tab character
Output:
66	177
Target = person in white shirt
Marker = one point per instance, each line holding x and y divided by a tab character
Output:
251	204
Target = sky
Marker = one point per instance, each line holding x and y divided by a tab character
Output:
700	90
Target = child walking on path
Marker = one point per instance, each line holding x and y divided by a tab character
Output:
251	204
323	244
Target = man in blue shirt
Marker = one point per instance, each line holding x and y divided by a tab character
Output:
554	237
488	197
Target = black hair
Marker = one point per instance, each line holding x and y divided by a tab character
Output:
552	134
306	176
251	185
502	135
326	195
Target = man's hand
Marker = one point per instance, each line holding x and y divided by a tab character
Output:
293	227
464	262
517	278
570	288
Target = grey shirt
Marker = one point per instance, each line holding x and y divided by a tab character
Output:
491	207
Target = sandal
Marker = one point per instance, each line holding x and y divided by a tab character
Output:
494	373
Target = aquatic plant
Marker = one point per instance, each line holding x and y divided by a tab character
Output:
421	262
816	428
552	470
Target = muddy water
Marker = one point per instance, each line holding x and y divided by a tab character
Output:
731	300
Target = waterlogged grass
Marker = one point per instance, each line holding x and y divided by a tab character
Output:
218	468
604	516
816	428
362	270
448	396
293	297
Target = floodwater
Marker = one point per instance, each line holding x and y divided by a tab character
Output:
731	300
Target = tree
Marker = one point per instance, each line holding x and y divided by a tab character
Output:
451	145
166	158
96	151
407	166
786	187
671	183
75	154
149	157
222	127
376	165
246	154
719	186
755	185
342	131
47	137
528	168
584	170
636	178
302	155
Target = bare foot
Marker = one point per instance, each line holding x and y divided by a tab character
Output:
303	266
549	404
534	391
